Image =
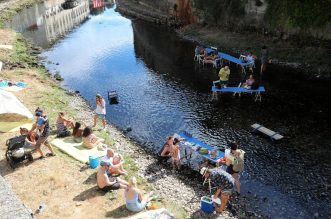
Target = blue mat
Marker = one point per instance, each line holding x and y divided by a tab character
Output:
230	58
237	89
199	143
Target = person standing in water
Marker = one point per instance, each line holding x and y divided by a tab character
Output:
264	59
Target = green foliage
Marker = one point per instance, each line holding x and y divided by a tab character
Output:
220	11
299	13
7	13
20	53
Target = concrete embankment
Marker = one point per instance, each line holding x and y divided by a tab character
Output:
10	205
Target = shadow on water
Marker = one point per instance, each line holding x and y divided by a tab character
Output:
162	91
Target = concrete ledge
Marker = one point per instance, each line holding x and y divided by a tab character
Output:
10	205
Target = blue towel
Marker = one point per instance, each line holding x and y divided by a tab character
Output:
230	58
21	84
237	89
3	83
195	141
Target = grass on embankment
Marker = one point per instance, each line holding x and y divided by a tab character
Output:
44	92
7	13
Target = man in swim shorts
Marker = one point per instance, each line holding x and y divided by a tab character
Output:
223	182
106	183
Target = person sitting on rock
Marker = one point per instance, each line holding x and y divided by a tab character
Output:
90	140
106	183
167	147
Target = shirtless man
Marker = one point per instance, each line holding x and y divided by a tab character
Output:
106	183
167	147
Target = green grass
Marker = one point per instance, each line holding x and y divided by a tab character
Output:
55	99
9	12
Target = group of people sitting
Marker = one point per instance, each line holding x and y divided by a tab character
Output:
171	150
108	179
223	181
201	54
80	134
38	134
111	165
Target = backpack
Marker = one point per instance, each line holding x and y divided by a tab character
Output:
238	163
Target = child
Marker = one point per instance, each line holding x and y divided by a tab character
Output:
117	165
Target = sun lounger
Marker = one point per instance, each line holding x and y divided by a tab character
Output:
273	135
239	90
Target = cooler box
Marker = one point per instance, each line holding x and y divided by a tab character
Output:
207	204
94	161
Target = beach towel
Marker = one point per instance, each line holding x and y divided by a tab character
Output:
12	88
76	150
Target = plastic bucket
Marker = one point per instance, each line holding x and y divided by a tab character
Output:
207	204
94	161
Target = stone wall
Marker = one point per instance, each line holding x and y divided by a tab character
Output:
282	18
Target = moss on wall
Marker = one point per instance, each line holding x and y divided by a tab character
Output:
298	13
220	11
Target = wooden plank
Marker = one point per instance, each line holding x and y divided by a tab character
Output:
267	131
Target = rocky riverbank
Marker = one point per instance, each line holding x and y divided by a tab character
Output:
183	188
62	182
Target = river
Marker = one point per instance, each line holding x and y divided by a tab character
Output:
162	91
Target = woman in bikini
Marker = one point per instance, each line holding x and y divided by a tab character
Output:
90	140
63	124
77	132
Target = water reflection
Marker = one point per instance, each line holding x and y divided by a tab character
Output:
161	91
46	22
